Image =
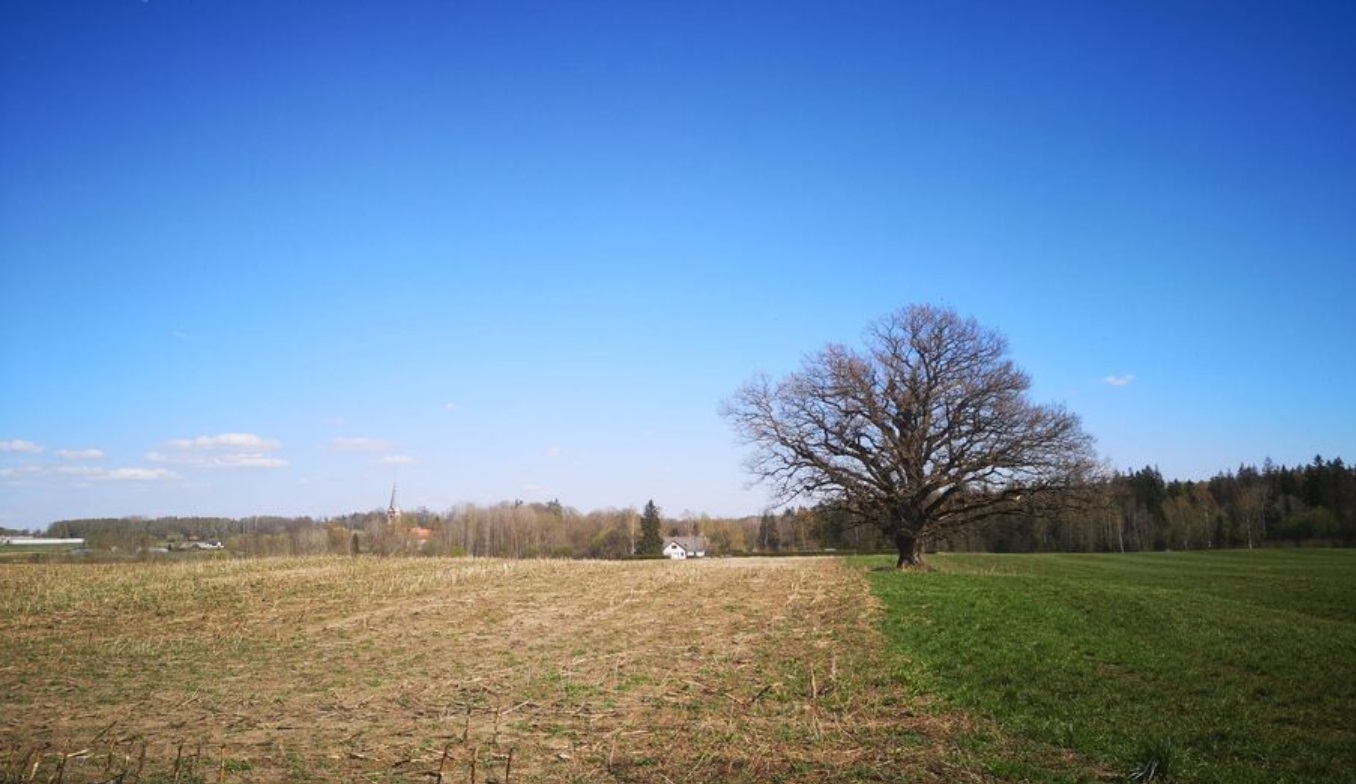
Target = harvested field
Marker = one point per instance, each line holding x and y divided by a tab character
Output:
334	669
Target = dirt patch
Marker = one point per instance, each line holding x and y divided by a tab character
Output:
456	670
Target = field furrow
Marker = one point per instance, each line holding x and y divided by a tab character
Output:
456	670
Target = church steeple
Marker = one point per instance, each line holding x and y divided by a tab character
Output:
393	511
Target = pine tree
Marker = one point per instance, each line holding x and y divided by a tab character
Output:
650	543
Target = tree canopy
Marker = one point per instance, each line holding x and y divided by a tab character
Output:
926	431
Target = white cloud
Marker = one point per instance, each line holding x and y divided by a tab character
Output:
19	445
553	452
139	475
359	444
1123	380
227	441
80	454
80	470
21	470
397	460
249	461
91	472
218	460
227	450
452	406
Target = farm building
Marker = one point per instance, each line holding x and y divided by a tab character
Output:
680	547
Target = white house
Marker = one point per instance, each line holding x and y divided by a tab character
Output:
680	547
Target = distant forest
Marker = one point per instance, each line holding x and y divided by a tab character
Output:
1311	505
1275	505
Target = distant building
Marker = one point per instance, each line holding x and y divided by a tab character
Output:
392	511
415	536
681	547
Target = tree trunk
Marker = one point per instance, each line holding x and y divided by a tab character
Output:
910	549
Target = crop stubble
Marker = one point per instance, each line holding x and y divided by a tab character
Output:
457	670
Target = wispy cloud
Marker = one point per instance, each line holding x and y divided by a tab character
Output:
92	472
19	445
397	460
226	441
20	470
452	406
80	470
250	461
360	444
139	475
80	454
553	452
215	460
1123	380
227	450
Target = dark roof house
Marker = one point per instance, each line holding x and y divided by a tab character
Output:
679	547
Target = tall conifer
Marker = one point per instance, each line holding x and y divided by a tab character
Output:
650	543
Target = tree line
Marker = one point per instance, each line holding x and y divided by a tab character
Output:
1132	511
505	530
1273	505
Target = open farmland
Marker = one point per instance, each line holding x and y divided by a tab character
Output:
1224	667
371	669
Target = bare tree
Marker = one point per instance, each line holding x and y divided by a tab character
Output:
926	432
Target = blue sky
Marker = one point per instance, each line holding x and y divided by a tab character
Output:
262	257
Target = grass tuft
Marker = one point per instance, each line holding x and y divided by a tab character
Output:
1157	761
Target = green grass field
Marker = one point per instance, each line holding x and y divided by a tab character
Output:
1230	666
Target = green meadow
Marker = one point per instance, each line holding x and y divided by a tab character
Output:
1223	666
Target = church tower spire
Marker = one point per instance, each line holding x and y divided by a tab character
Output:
393	511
